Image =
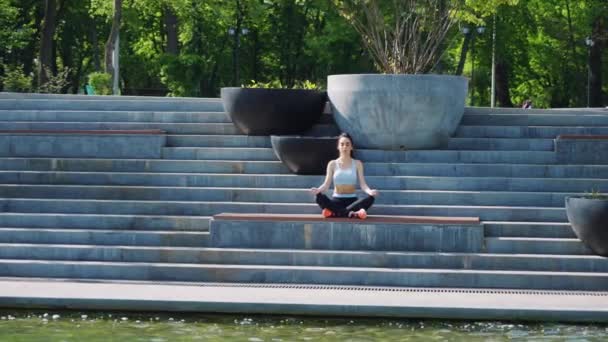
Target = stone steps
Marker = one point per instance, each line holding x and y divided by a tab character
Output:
171	128
221	141
430	156
104	221
578	119
533	111
474	144
303	182
207	208
524	132
529	229
174	105
277	168
403	277
293	257
112	116
145	219
71	97
499	144
95	237
201	223
391	197
525	245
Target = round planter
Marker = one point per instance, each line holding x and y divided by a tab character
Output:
397	112
258	111
305	155
589	220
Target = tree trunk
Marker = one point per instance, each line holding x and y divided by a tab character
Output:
111	43
595	66
45	62
256	49
502	85
171	30
463	53
95	46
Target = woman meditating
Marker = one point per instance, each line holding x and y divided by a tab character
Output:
344	171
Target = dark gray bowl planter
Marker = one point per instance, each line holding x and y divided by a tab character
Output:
258	111
305	155
589	220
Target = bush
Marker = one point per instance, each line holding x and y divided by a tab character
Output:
101	83
277	84
56	84
16	80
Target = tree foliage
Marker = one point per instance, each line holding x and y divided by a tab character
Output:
194	47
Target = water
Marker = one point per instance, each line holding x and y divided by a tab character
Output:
120	326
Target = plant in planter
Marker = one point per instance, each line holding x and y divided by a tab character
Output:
588	217
266	109
401	108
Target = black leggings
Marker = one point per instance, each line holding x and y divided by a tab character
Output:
341	206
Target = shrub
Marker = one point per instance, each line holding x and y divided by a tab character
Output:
276	84
101	83
56	84
16	80
595	194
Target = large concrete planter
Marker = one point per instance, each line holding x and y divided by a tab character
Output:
397	112
305	155
259	111
589	220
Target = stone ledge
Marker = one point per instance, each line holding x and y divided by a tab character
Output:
581	149
377	233
582	137
370	219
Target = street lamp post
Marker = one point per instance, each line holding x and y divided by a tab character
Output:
493	81
465	31
589	42
235	52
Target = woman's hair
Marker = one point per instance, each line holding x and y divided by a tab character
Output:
346	135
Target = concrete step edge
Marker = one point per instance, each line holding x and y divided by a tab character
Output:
279	203
104	231
304	251
531	239
266	175
307	268
148	187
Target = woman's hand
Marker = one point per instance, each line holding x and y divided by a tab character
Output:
315	191
372	192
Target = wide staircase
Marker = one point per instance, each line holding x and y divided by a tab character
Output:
149	219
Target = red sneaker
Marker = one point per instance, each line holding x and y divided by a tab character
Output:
361	214
327	213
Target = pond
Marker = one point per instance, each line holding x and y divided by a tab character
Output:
121	326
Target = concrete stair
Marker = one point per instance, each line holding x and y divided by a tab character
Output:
389	197
145	219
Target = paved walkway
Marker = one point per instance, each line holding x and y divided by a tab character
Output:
306	300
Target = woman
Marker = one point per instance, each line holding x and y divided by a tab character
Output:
344	171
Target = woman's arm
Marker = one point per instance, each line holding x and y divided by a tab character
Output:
328	177
363	183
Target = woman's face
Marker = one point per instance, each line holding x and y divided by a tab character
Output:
345	146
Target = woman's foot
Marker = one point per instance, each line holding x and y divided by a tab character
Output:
360	214
327	213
